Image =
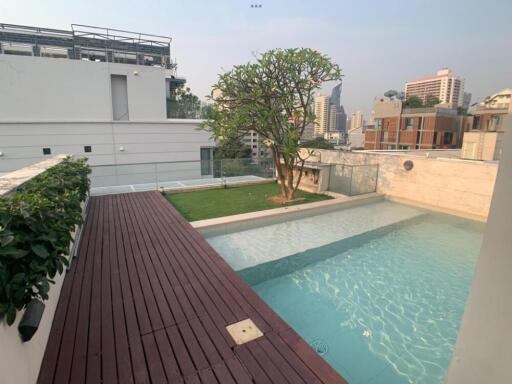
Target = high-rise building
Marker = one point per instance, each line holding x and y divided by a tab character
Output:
341	117
445	85
466	101
356	121
322	112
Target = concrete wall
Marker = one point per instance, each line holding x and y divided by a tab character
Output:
483	350
46	89
482	145
455	186
21	144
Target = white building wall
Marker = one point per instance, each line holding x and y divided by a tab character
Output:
482	353
47	89
22	144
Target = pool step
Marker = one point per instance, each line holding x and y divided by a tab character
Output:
286	265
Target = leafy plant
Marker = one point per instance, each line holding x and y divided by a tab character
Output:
273	97
318	143
35	232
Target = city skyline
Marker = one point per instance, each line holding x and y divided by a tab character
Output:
378	46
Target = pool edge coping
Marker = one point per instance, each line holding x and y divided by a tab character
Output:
225	222
436	208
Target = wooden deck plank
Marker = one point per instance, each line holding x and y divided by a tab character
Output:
118	325
135	316
193	271
148	300
65	304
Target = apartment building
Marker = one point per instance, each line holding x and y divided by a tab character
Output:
90	92
258	148
397	127
484	135
356	120
445	85
322	113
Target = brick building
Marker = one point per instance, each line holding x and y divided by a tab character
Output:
413	128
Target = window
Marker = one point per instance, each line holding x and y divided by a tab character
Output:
391	147
255	146
405	147
378	123
47	151
87	149
493	123
119	97
476	122
206	161
409	122
447	139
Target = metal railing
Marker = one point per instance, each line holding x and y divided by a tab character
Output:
352	180
120	178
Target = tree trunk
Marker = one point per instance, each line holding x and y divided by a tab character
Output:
280	172
289	174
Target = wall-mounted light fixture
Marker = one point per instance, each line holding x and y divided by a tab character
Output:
31	319
1	153
135	73
121	149
408	165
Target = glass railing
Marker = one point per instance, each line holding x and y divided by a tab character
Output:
352	180
120	178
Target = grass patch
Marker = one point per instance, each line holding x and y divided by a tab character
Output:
210	203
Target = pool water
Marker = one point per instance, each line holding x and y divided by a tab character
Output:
382	305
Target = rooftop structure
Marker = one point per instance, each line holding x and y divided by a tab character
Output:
445	85
84	42
397	127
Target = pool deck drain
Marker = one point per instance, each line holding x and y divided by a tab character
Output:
244	331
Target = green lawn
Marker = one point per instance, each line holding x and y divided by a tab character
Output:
210	203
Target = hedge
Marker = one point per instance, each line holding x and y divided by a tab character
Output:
35	232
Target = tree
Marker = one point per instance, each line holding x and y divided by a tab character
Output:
414	102
231	149
183	105
274	97
318	143
431	100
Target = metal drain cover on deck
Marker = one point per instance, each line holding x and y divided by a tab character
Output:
244	331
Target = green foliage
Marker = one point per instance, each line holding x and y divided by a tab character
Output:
274	97
414	102
35	231
317	143
231	148
183	105
430	101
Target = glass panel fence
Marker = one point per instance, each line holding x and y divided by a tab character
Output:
106	179
352	180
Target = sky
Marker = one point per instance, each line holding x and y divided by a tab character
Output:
379	44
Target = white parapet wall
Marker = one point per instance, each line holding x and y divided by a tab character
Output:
461	187
19	361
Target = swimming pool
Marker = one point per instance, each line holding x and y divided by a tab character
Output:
378	290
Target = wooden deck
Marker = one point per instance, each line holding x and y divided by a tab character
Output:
147	300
